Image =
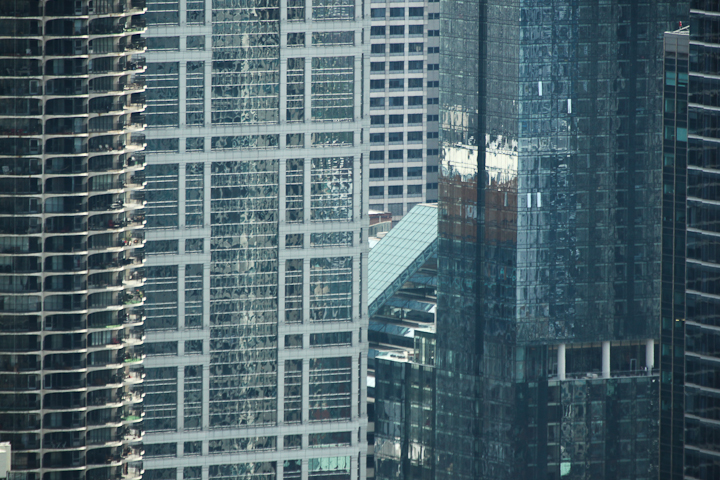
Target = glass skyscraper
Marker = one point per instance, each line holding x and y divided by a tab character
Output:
549	238
71	238
690	353
257	194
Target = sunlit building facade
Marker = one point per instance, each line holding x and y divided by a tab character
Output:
256	239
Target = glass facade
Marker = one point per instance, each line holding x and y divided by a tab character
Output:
257	144
702	303
549	249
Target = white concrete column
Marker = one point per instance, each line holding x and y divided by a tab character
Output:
650	355
561	361
606	359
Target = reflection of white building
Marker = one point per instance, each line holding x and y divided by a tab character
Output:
256	239
403	105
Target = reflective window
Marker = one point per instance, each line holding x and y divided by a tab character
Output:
333	38
163	12
162	91
293	391
330	388
295	90
331	188
293	291
193	395
333	87
160	403
194	194
161	192
161	306
333	9
331	289
195	92
193	295
332	239
294	189
195	11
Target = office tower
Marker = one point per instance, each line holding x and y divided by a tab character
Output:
71	219
404	76
549	239
256	253
674	227
402	274
690	305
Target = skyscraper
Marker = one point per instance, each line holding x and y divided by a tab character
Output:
404	73
674	231
549	238
257	176
71	219
690	302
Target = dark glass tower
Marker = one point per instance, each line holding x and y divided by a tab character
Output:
702	312
549	248
672	338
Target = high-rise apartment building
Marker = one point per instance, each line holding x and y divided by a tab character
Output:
404	74
257	200
690	345
71	219
549	239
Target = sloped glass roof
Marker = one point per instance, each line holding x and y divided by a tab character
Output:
400	254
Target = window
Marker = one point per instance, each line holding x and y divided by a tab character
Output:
432	134
416	11
415	83
397	101
433	33
397	48
294	341
163	43
414	137
395	209
397	13
377	137
296	39
377	191
415	101
195	42
432	101
397	66
397	83
377	173
433	84
395	173
193	347
192	448
377	155
377	48
414	153
432	118
395	191
414	118
159	450
377	13
294	240
395	137
194	245
433	16
431	169
415	48
161	348
397	30
431	186
415	29
377	66
377	120
377	31
414	172
414	190
395	154
415	65
377	84
433	49
433	66
432	151
334	338
377	102
395	119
